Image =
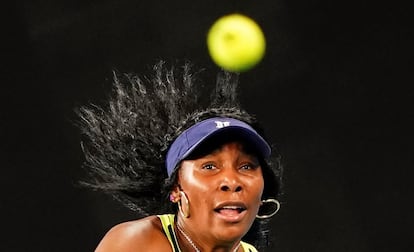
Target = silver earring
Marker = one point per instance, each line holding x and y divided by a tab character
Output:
267	201
184	208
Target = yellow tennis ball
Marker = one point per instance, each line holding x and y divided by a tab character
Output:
236	43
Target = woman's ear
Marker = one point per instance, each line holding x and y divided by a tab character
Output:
175	194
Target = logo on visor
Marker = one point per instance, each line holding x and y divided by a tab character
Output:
220	124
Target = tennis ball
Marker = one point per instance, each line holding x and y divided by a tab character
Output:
236	43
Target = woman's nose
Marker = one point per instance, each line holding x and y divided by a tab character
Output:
230	182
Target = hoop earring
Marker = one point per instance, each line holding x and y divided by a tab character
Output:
265	216
184	208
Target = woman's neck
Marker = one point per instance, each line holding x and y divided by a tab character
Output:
190	243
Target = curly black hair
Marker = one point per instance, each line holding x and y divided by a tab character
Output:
125	141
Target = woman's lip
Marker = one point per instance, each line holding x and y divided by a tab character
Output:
230	215
224	204
231	211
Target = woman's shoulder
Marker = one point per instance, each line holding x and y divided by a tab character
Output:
139	235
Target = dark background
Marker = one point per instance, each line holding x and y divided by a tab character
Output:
334	91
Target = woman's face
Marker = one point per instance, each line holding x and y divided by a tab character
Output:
224	190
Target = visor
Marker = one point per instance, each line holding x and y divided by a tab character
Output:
194	136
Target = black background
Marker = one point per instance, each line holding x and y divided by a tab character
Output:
334	92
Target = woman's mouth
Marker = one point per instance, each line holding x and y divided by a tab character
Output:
231	213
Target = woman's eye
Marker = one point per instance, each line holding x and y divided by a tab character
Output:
248	167
209	166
